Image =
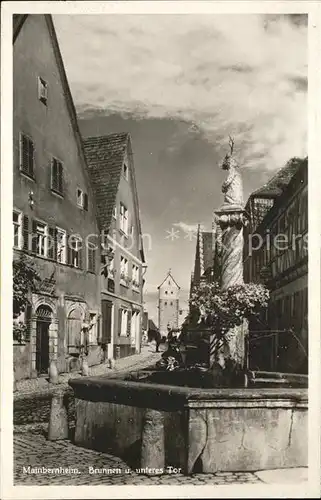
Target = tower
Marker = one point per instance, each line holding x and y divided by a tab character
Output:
168	304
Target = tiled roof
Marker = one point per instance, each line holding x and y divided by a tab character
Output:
275	186
105	156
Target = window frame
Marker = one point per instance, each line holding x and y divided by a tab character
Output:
30	173
135	276
124	322
124	270
42	96
84	196
64	232
75	240
45	238
59	189
124	218
19	225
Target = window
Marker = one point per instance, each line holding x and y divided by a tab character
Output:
75	250
171	303
56	176
135	276
42	90
61	246
135	327
166	292
123	268
82	199
27	151
17	229
124	326
171	293
115	212
165	303
169	283
91	257
39	238
123	219
125	170
93	329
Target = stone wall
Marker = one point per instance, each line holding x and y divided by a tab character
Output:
21	361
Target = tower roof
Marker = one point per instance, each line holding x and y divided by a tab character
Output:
169	274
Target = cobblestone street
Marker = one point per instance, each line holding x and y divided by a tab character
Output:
32	449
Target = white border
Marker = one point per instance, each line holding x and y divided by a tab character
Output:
310	489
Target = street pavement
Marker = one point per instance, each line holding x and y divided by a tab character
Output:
32	450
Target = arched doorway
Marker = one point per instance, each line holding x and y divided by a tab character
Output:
74	330
44	316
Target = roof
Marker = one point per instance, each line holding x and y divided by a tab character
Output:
276	185
105	157
18	21
169	274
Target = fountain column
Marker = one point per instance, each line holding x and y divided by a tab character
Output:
231	219
231	222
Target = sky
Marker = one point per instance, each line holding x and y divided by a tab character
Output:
180	85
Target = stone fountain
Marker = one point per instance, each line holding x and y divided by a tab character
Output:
156	426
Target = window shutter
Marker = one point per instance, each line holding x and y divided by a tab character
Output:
94	260
52	243
80	257
85	201
89	259
30	157
25	232
129	317
24	160
60	177
34	237
69	250
53	174
120	314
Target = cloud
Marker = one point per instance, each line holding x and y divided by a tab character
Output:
188	228
243	75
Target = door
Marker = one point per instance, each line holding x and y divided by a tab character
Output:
74	330
42	346
106	310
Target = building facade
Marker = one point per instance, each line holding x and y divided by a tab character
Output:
111	169
53	206
276	253
168	304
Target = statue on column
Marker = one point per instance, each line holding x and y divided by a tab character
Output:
232	187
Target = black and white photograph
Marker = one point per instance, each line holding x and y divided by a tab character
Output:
161	315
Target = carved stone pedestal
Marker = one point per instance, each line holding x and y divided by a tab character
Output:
153	442
231	220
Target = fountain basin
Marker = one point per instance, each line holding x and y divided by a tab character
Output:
195	430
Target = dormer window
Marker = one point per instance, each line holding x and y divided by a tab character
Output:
42	90
125	171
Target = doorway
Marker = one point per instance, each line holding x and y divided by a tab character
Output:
42	339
